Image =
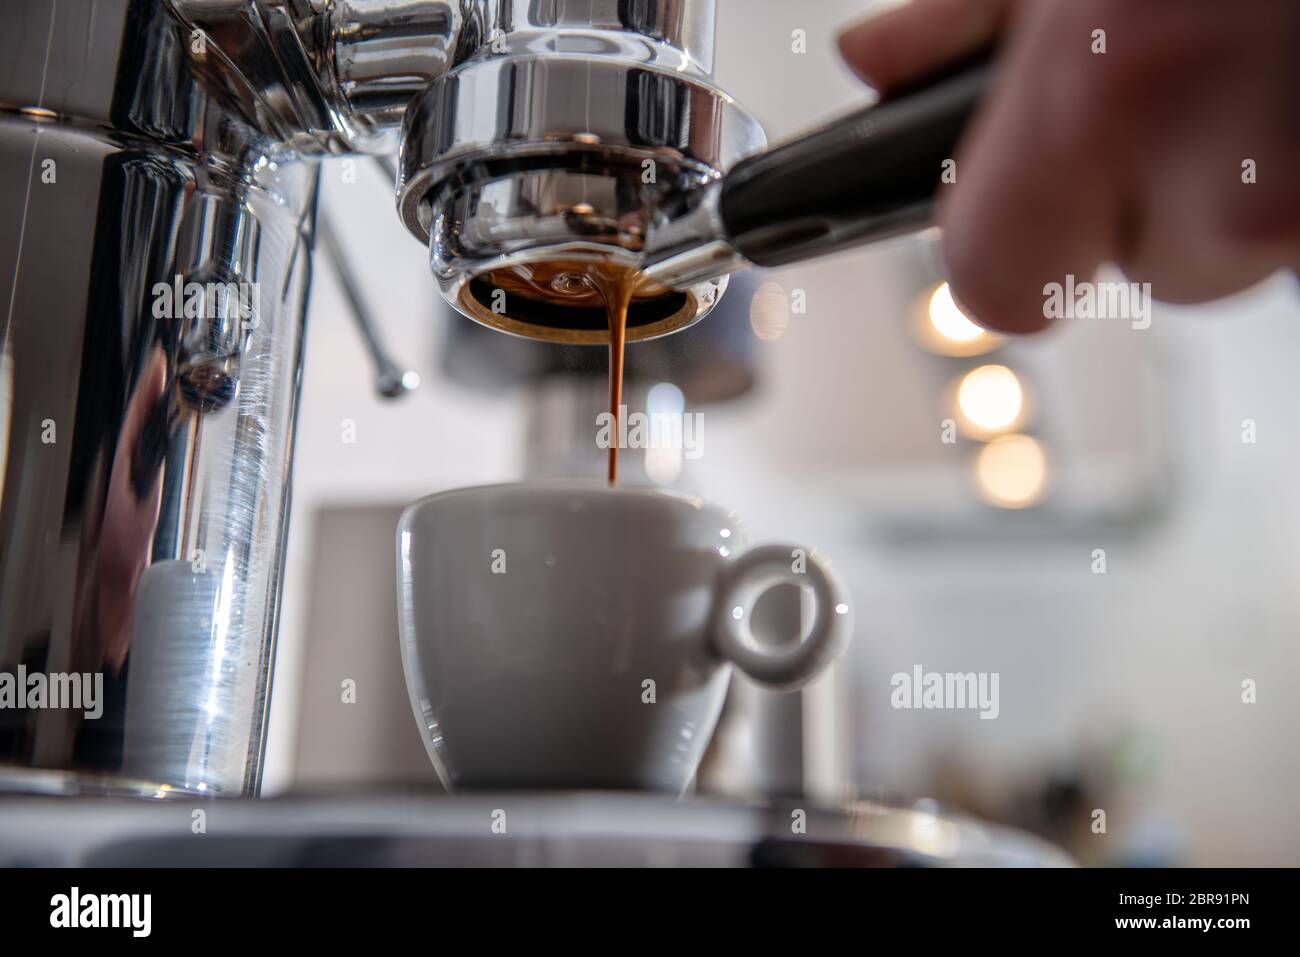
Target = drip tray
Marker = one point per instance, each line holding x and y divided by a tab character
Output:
506	829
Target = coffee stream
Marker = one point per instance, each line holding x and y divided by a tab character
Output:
615	288
586	284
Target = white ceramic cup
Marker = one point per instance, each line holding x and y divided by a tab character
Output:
572	635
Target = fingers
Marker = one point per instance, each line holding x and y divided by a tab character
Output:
1019	179
1135	153
1032	203
1181	246
1211	115
892	49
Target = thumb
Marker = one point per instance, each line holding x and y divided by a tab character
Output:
893	49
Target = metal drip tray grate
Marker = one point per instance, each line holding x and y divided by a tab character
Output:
505	829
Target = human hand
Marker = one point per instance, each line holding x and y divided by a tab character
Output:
1132	156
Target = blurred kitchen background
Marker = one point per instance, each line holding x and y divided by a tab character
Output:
824	422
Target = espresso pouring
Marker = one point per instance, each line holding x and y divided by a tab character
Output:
584	285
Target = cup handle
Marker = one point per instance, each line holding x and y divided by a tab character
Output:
794	662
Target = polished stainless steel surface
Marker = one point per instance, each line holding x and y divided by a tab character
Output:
542	829
693	247
385	52
583	135
329	75
150	421
155	255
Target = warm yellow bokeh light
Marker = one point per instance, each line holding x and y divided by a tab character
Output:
940	327
1012	471
990	399
948	320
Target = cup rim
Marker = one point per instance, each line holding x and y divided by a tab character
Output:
565	485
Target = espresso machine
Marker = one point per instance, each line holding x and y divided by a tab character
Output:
156	246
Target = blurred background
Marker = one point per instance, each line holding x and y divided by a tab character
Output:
1107	517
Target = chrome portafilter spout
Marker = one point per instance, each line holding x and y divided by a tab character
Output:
602	137
567	140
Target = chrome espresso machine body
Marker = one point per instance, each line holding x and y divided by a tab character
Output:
161	160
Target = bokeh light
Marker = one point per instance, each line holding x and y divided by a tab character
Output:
939	326
1011	471
990	400
663	464
948	320
769	312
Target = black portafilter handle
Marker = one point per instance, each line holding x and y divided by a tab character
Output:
866	176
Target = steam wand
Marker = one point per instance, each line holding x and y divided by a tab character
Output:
391	381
